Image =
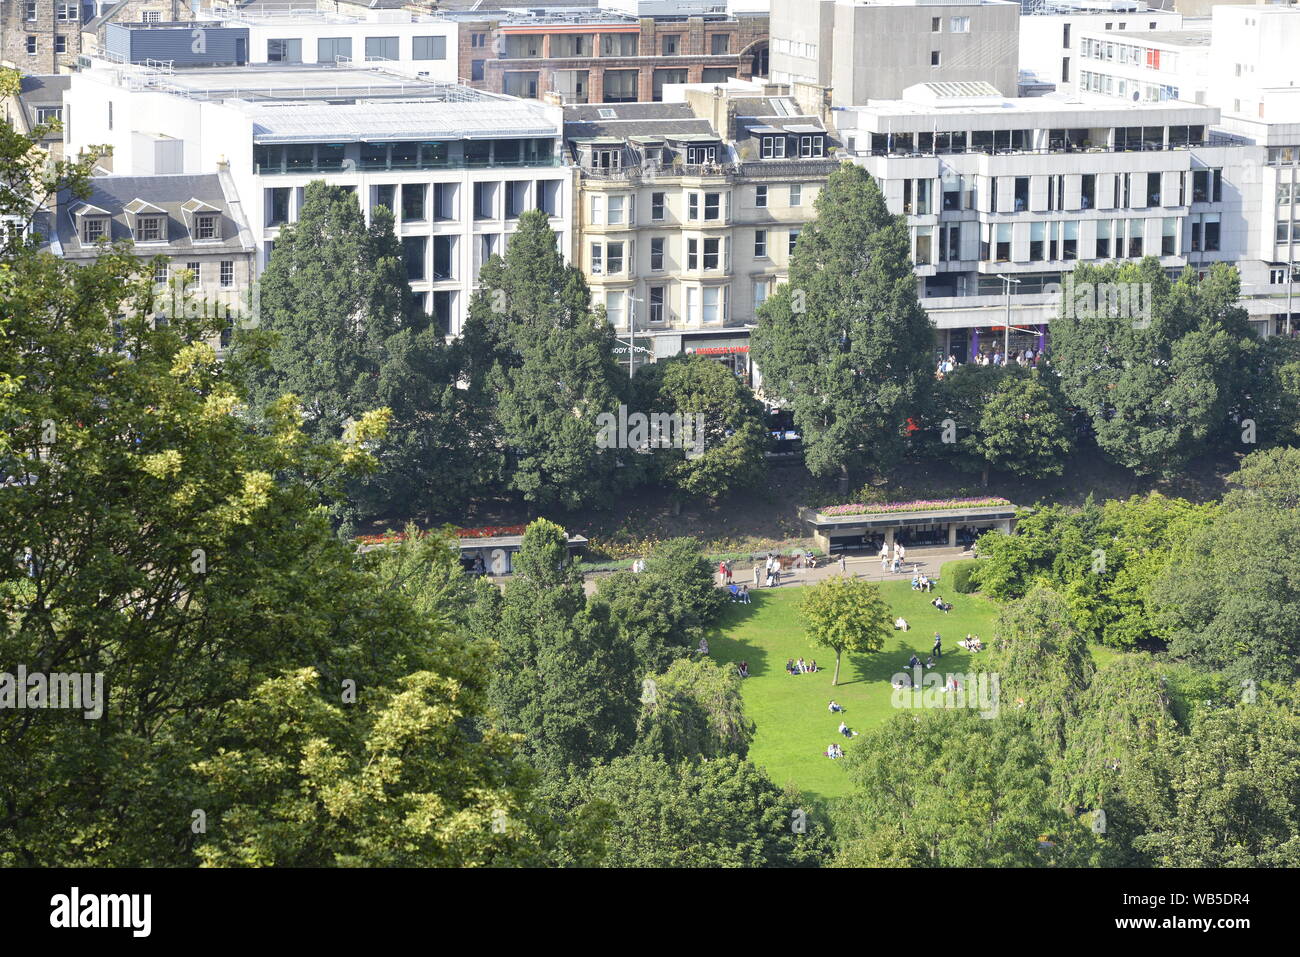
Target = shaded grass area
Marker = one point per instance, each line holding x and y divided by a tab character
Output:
794	725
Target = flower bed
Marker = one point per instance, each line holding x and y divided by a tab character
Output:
926	505
483	531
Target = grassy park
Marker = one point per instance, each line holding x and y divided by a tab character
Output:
793	723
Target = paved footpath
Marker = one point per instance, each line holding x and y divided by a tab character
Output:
921	558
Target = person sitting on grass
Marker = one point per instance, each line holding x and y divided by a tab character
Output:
929	662
812	666
914	662
744	595
735	591
743	669
900	624
835	705
844	730
901	681
942	605
789	667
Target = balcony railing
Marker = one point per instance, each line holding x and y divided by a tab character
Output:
648	173
448	164
1213	140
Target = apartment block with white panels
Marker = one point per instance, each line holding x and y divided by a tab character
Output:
688	212
1050	37
457	166
1028	188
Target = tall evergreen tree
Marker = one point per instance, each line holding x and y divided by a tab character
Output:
563	679
541	366
845	342
346	336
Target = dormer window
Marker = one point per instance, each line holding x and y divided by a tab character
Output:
606	159
773	147
811	147
202	219
205	226
149	229
93	229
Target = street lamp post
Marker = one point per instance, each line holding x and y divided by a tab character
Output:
1290	278
631	336
1006	330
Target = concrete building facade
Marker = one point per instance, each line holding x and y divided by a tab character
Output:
874	49
456	166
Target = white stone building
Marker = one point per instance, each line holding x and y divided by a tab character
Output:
457	166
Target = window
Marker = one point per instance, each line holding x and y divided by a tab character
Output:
657	254
761	289
428	48
1207	186
444	260
475	70
1022	194
284	51
331	49
934	58
1070	248
381	48
32	49
796	195
811	147
950	242
1088	191
720	44
1004	242
712	305
149	229
712	206
413	202
615	210
613	258
151	16
936	24
773	147
1169	237
1212	232
1135	238
959	24
1153	189
413	248
60	44
671	44
924	254
93	229
1037	242
657	302
227	273
1101	249
31	10
478	40
657	207
692	205
614	308
712	253
277	206
48	114
484	200
760	244
760	197
794	238
195	269
205	226
162	272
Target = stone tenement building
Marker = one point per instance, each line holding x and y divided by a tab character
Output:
45	36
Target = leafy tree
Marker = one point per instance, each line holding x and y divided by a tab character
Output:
845	342
1158	391
426	569
662	613
719	813
541	364
1108	772
1042	663
946	788
1022	429
1050	545
1268	478
730	446
563	680
340	329
153	535
1231	789
1000	417
694	710
1230	594
846	614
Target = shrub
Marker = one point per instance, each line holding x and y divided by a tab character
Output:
961	575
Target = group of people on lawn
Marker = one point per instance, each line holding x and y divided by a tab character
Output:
835	751
800	667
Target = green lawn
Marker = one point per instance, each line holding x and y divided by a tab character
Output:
793	723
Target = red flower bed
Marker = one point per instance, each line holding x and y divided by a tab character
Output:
483	531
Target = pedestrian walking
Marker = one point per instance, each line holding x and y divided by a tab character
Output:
727	565
937	651
756	578
842	563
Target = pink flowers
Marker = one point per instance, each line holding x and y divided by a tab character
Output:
925	505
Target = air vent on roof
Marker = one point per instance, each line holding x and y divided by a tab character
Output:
607	114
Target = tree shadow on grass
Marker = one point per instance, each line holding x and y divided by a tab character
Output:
883	665
726	650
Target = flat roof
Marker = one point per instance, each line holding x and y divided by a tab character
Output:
388	120
1044	112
